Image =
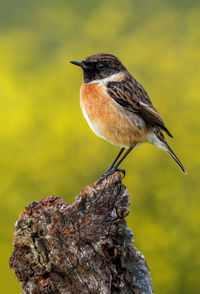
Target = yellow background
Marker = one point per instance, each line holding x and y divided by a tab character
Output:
47	147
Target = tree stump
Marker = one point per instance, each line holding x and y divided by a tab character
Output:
84	247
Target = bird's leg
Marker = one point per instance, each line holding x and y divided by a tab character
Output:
114	167
117	157
108	172
124	156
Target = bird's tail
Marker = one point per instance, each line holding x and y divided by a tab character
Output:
158	140
171	153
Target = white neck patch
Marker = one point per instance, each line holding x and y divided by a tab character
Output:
115	77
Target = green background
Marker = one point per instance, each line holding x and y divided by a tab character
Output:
47	147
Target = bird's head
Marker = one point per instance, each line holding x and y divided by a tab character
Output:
99	66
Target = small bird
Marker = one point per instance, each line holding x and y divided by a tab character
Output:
118	109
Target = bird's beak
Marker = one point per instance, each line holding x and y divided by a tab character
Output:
79	63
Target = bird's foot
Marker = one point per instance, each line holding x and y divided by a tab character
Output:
111	171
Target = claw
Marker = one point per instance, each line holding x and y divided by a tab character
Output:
112	171
122	171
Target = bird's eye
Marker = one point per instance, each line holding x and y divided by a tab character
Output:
100	65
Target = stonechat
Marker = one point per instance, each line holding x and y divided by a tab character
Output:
118	109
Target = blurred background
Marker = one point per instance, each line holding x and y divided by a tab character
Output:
47	147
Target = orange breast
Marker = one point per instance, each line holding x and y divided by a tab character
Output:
108	119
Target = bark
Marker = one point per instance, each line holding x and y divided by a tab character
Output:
84	247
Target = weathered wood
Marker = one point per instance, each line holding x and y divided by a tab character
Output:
83	248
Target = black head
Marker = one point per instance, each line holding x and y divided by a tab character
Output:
99	66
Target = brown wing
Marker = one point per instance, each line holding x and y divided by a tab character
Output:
132	96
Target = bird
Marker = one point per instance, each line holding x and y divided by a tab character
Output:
118	109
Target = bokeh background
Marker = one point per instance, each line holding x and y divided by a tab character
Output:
47	147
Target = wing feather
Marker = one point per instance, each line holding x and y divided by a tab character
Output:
132	96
